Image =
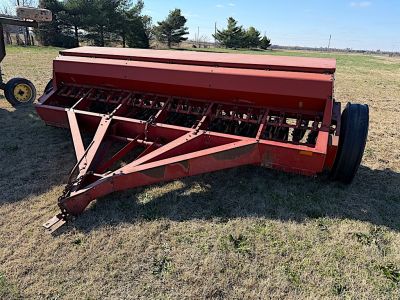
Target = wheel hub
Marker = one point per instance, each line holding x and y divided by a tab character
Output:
22	92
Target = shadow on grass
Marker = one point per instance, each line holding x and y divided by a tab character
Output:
32	155
254	192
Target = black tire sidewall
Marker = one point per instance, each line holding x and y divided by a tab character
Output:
353	138
49	87
9	91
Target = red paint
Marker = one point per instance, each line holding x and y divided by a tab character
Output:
186	113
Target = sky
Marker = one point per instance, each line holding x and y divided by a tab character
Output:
365	25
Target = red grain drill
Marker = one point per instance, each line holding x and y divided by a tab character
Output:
161	115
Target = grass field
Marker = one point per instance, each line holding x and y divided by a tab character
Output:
246	233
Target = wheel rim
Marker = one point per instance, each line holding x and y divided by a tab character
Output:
23	92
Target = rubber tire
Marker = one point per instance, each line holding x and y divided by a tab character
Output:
352	141
49	87
9	91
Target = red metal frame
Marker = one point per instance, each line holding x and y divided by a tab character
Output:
168	128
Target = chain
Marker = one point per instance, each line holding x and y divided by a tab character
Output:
150	121
67	190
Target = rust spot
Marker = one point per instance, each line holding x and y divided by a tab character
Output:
306	153
157	172
234	153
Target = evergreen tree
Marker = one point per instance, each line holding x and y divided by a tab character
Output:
140	32
172	30
265	43
105	21
148	28
136	28
121	24
51	34
231	37
74	15
252	38
102	20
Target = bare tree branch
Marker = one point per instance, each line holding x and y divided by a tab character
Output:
7	7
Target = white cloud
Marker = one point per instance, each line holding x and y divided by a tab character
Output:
219	6
361	4
190	14
232	4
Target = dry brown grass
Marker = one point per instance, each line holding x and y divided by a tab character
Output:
242	233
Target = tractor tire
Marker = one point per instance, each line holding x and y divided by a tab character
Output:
352	141
20	91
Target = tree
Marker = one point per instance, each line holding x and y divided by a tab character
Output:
102	20
97	21
140	32
52	34
121	23
74	15
6	7
136	28
172	30
232	36
265	43
148	28
252	38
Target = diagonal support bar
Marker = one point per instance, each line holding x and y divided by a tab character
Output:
87	162
176	145
120	154
208	160
76	134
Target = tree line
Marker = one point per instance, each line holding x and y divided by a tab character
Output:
235	36
123	22
105	22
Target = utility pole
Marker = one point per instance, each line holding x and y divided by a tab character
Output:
215	34
198	36
329	44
